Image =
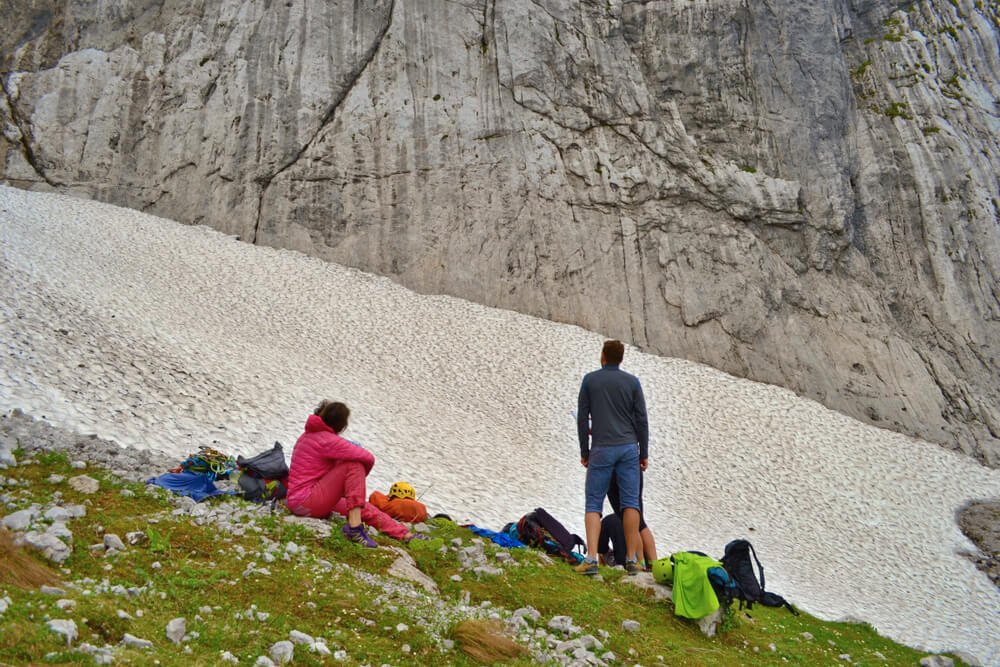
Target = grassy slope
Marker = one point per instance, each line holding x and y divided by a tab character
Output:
200	567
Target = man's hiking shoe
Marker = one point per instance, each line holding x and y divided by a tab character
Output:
358	535
631	568
588	568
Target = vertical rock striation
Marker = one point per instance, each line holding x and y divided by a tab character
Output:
801	193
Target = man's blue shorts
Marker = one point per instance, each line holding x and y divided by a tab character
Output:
608	459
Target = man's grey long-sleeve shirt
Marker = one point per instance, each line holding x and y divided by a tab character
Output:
611	411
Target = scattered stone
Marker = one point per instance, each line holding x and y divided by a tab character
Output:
64	627
340	655
878	654
59	513
264	661
7	459
137	538
404	567
84	484
112	541
319	647
155	565
135	642
128	493
563	624
456	577
226	656
19	521
66	604
49	545
56	479
402	627
78	465
176	629
293	548
51	590
936	661
807	636
282	652
528	613
124	615
629	625
846	657
300	637
5	604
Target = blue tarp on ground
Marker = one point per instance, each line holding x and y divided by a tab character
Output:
502	539
192	484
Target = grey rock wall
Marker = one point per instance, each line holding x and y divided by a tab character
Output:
801	193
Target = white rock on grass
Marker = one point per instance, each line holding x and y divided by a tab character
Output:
55	479
264	661
563	624
60	513
84	484
51	590
112	541
20	520
340	655
176	629
64	627
300	637
319	646
51	546
629	625
7	459
936	661
136	642
66	604
5	603
226	656
282	652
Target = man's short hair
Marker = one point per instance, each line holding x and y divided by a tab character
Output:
613	351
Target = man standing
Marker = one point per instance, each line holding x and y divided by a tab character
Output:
614	439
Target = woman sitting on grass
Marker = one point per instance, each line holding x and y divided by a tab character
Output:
328	474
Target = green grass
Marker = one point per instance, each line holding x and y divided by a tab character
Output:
193	571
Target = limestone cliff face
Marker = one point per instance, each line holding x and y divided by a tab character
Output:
803	193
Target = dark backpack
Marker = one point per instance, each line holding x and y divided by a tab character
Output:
540	529
265	476
736	561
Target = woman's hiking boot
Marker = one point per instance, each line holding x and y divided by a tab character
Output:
587	567
358	535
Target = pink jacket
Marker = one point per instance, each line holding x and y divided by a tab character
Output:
316	452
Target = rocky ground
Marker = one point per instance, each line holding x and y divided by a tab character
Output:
980	521
553	638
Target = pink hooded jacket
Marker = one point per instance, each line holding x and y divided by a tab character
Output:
316	452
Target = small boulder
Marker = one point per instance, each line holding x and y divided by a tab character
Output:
64	627
135	642
20	520
936	661
176	629
112	541
84	484
282	652
629	625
